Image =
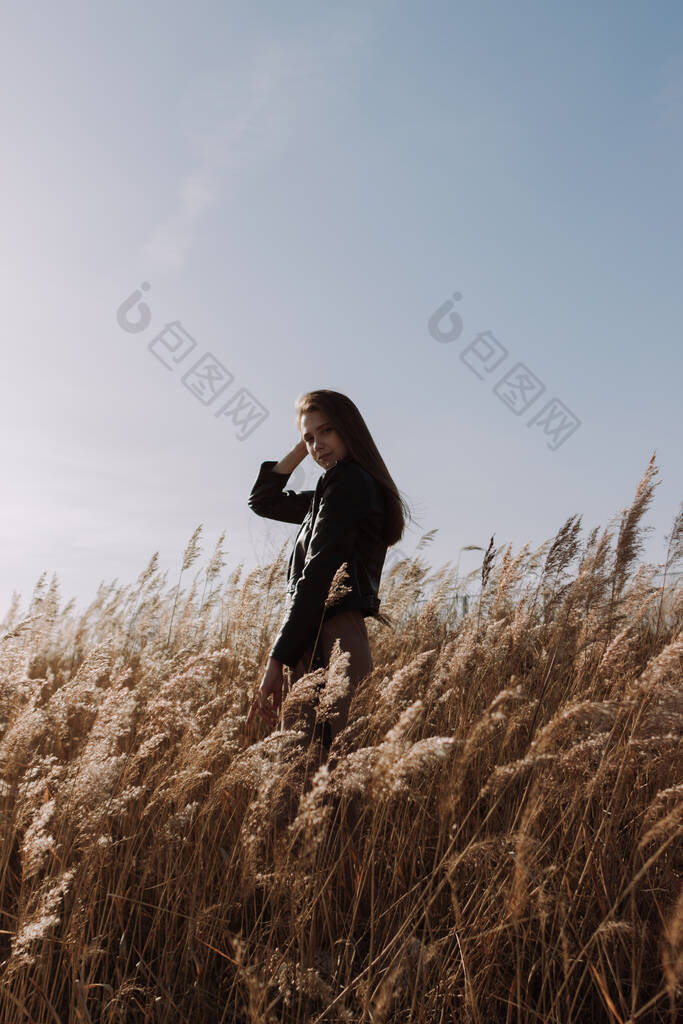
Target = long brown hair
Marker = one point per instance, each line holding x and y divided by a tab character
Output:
351	427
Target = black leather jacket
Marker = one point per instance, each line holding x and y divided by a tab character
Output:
342	520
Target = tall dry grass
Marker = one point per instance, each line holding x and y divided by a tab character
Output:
496	836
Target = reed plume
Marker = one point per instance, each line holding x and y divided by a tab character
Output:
497	837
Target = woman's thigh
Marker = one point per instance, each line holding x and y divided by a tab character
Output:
349	628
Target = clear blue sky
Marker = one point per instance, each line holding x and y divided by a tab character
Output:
302	185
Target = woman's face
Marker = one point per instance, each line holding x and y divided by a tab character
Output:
324	444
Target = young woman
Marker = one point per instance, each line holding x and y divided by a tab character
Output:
352	516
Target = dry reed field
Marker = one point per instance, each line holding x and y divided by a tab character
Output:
495	836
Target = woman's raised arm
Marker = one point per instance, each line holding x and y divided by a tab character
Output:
268	497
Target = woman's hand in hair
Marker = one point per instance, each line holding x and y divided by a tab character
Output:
291	460
271	684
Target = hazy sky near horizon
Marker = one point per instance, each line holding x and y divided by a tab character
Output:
303	189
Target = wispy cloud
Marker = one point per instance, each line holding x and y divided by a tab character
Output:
242	116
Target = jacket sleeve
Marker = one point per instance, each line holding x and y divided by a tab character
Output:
343	505
269	499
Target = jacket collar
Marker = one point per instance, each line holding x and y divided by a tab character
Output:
344	459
